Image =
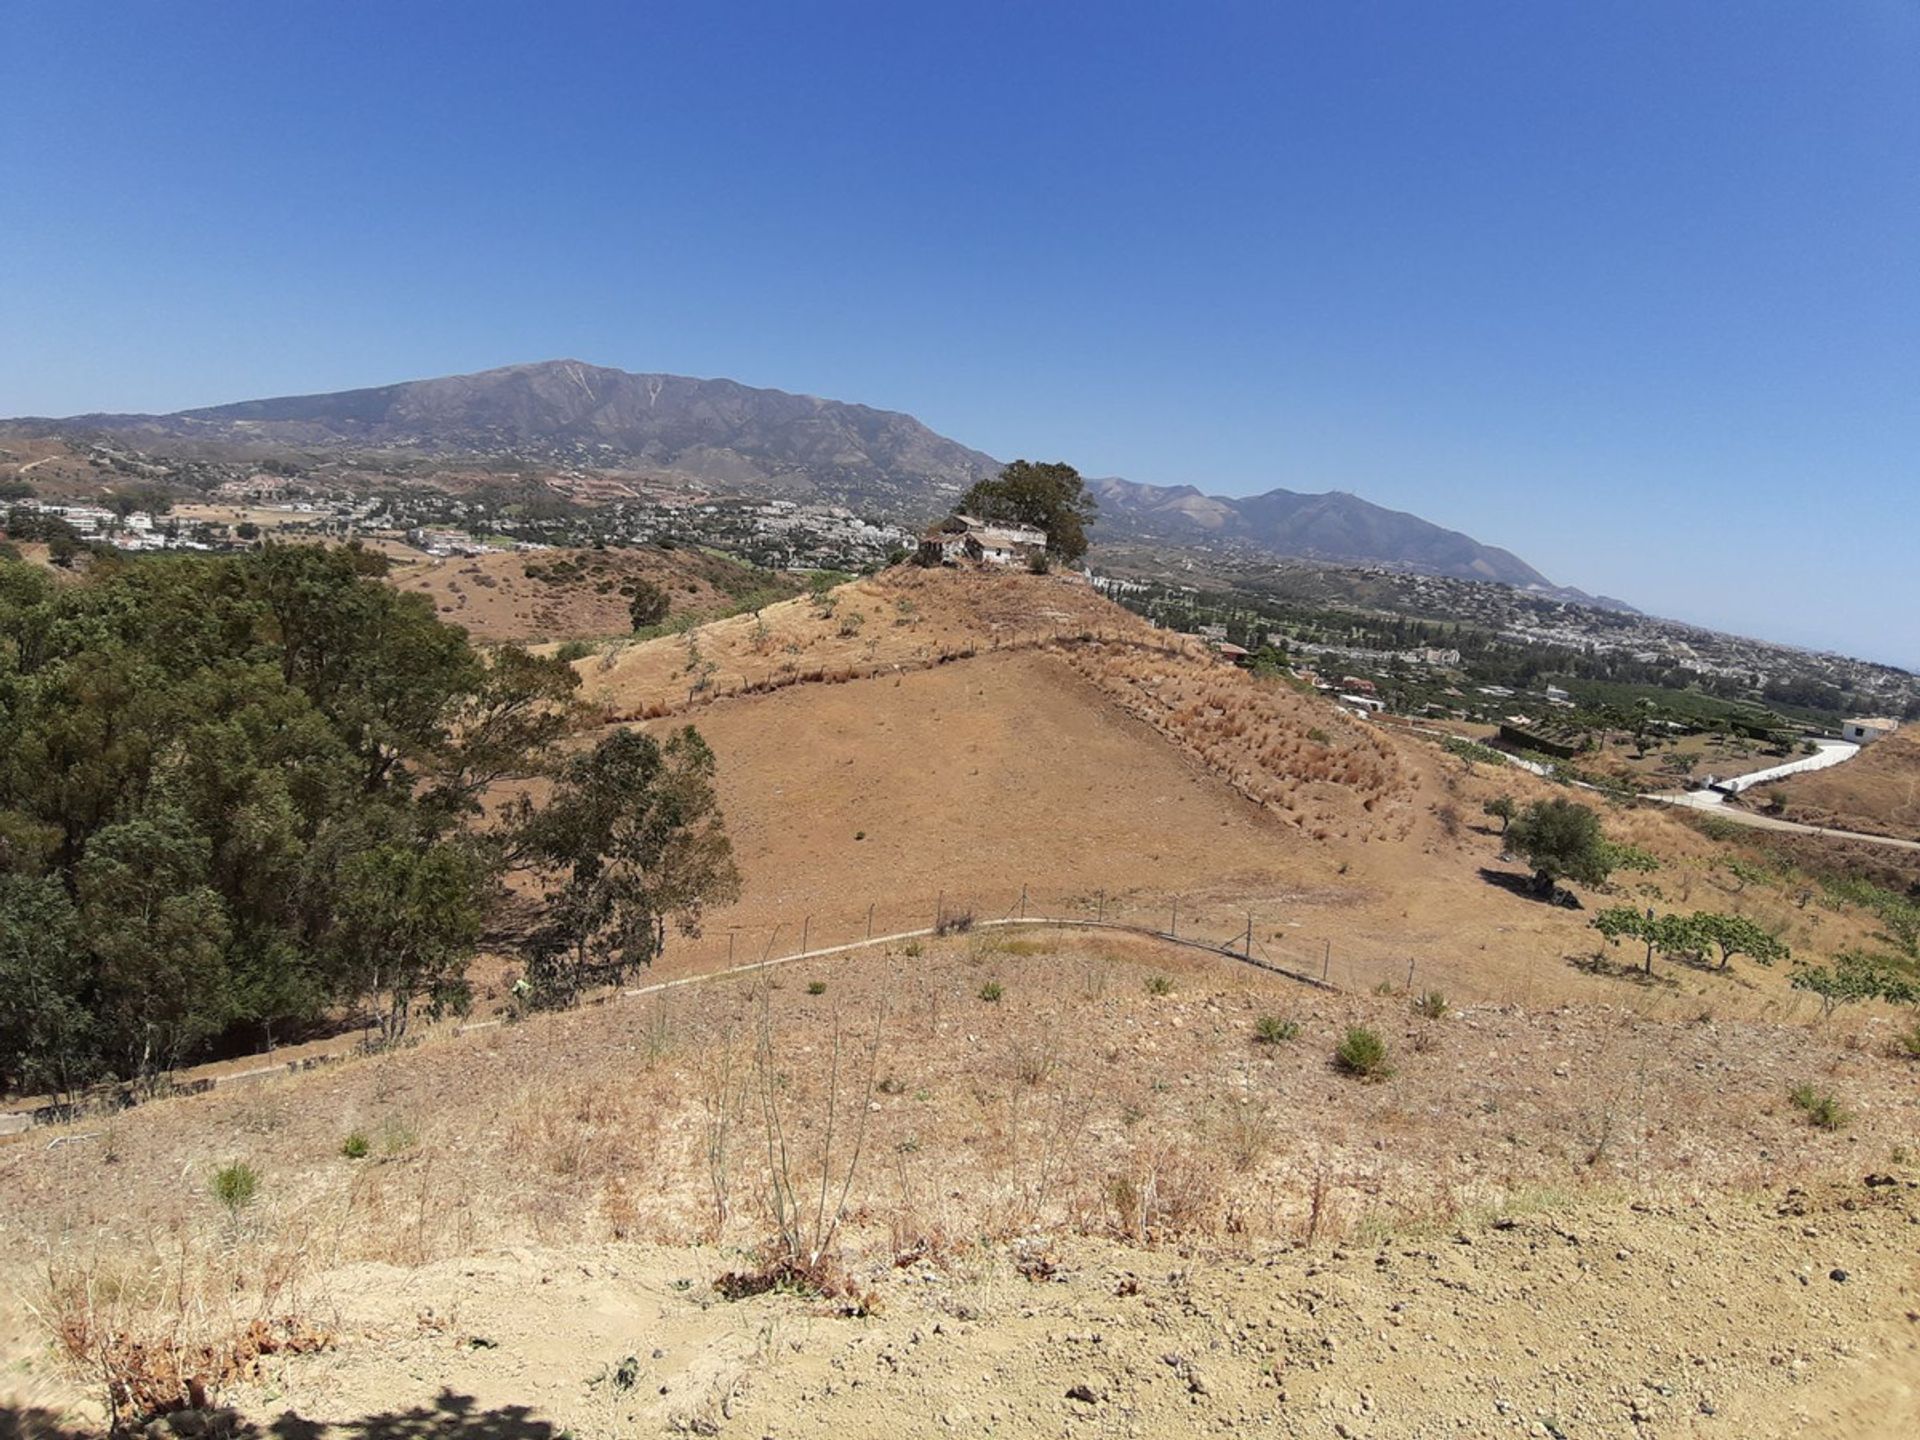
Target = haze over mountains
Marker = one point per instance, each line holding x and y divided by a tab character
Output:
722	433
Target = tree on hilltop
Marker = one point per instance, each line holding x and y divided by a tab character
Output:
1048	496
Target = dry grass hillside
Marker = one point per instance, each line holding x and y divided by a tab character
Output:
921	742
567	594
1038	1179
1878	791
1072	1184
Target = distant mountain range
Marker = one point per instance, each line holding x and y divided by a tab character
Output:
1335	527
724	434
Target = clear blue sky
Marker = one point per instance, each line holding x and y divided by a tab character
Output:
1630	288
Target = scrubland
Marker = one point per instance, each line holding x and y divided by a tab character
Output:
1489	1178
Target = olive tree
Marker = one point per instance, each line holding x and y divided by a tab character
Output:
1560	840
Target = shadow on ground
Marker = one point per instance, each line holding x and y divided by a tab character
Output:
450	1416
1522	885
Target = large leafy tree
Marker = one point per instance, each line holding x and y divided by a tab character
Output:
631	839
1049	496
238	792
1560	840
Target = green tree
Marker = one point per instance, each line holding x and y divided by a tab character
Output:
649	604
1560	840
631	838
1857	975
1667	934
1049	496
1736	935
157	932
1500	808
47	1040
406	920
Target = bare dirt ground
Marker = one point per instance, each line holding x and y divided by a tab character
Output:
1097	1204
1878	791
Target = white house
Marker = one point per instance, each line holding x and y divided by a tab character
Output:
961	537
1864	731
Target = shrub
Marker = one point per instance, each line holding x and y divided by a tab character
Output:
1823	1111
573	650
1159	985
1363	1053
1272	1030
1432	1005
1907	1043
234	1186
816	987
356	1146
991	991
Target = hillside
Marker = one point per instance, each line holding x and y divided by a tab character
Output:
1057	1177
1878	791
568	594
930	739
1098	1203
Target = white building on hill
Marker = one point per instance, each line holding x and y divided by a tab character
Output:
1865	731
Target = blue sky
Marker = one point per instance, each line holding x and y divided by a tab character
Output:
1629	288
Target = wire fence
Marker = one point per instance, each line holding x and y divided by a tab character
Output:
726	682
1298	942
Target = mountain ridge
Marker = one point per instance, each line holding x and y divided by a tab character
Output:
720	432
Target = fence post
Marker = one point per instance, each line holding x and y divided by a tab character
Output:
1409	977
1249	944
1326	961
729	949
939	911
1023	902
805	925
869	922
1103	907
1173	926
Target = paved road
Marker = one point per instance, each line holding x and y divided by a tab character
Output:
1832	752
1709	801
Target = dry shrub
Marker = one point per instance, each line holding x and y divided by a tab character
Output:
1167	1193
174	1336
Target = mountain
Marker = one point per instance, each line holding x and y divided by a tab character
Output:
716	431
723	434
1334	527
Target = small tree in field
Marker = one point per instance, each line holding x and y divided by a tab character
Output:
1736	935
649	604
1500	808
1668	934
1561	840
